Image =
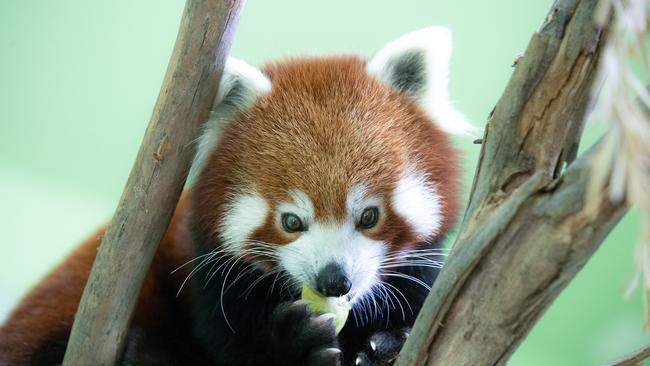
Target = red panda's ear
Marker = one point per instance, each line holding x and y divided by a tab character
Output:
417	64
241	84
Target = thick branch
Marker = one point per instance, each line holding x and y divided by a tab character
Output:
537	123
526	233
511	269
155	183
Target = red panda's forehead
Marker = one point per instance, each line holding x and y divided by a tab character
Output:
325	127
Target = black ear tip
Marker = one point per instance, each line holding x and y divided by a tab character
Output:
408	73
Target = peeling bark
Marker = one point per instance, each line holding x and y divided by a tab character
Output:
526	232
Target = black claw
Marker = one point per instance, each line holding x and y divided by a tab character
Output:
382	348
362	360
325	357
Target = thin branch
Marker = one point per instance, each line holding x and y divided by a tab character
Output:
634	358
155	182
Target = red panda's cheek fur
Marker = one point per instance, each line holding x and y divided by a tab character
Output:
210	197
394	231
270	234
208	201
264	261
442	165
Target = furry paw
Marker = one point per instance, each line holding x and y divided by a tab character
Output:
301	337
382	348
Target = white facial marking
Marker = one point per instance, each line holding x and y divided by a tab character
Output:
300	205
358	200
242	215
418	202
341	243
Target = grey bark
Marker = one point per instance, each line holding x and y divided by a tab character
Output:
526	232
155	183
634	358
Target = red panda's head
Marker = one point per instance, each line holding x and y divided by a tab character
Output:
328	168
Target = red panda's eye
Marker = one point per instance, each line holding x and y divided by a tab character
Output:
292	223
369	218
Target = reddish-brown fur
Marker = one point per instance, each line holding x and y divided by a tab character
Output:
325	127
48	310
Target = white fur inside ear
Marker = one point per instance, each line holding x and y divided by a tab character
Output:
417	64
241	84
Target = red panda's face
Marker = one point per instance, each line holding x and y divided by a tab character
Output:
328	169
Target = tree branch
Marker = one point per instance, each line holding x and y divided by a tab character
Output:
634	358
526	232
537	123
155	182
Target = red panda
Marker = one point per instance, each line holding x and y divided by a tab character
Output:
332	172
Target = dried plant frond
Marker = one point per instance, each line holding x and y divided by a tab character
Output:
622	165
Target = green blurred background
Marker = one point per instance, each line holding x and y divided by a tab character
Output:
78	81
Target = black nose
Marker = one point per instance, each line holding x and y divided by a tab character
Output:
332	281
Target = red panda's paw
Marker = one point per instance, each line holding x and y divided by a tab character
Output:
301	337
383	348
